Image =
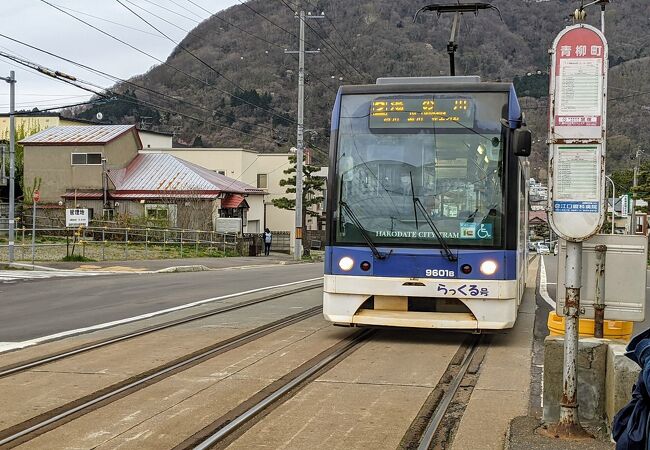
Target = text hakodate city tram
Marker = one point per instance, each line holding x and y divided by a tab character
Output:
427	205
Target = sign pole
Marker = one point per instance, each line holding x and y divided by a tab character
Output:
36	197
578	93
569	423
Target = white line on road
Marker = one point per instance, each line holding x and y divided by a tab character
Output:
6	346
543	284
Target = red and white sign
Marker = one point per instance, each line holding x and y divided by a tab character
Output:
578	82
37	196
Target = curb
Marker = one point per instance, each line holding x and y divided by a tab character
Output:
177	269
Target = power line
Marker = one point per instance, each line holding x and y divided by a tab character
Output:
202	61
171	10
114	78
171	65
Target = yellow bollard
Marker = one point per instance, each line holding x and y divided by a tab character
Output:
612	329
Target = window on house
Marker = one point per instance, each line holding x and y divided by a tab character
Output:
262	182
157	214
86	159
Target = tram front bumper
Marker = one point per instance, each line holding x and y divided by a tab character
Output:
490	304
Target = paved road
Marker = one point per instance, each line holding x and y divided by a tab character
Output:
13	276
550	262
43	307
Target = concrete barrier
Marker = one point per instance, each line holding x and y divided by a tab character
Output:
621	375
605	379
592	365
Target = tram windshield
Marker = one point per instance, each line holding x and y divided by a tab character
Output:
445	150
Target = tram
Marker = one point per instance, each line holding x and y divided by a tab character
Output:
427	205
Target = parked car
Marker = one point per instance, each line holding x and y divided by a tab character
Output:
542	249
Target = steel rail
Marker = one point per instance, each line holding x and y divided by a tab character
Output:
158	375
284	389
427	437
26	365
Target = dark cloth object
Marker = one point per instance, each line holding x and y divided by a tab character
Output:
630	428
267	248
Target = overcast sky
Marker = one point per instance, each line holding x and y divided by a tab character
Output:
40	25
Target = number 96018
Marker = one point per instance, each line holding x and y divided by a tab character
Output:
439	273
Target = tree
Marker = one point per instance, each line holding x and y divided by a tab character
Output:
312	189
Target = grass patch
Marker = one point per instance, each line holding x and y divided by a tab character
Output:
76	258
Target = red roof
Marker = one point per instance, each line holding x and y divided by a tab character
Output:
234	201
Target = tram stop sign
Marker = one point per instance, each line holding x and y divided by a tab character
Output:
578	90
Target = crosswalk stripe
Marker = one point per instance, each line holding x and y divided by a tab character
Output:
15	275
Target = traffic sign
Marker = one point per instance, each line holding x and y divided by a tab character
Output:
578	91
625	205
37	196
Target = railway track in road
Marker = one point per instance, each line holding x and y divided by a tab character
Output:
16	368
438	420
236	421
52	419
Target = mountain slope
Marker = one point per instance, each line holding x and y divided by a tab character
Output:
371	38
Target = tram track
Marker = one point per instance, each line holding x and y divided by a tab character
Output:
438	420
231	425
54	418
22	366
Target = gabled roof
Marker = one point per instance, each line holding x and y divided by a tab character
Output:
163	175
80	135
234	201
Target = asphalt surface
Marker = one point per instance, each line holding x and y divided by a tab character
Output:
550	261
43	307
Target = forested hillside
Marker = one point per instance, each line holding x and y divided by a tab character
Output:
240	89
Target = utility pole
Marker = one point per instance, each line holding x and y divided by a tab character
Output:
11	79
635	180
300	146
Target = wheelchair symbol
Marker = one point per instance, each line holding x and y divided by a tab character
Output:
483	232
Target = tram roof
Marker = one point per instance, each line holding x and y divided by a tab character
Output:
443	86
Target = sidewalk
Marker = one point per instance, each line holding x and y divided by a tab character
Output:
148	265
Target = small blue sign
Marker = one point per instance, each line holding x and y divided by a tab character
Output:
579	207
475	230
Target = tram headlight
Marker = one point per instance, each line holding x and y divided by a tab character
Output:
488	267
346	263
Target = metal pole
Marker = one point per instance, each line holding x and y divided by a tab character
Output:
297	254
599	301
12	163
452	46
613	201
602	17
33	232
569	421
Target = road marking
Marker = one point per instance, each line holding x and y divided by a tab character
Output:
9	276
543	290
5	346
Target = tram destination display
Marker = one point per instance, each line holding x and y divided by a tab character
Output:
421	112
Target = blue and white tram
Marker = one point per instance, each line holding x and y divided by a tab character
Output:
427	205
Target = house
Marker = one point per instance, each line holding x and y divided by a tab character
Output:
263	170
155	139
66	158
98	167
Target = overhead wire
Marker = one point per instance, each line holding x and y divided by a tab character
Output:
114	78
171	65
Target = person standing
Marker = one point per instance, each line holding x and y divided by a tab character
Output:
268	238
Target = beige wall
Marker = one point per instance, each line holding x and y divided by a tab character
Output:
53	165
154	140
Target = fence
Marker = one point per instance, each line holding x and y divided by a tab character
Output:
115	243
103	243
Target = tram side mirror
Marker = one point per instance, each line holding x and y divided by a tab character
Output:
522	142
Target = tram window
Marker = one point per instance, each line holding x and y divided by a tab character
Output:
457	175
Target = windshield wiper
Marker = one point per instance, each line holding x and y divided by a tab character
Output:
417	203
364	232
